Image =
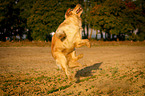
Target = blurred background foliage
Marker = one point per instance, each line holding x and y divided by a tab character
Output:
38	18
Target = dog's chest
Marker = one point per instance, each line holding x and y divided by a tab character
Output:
68	43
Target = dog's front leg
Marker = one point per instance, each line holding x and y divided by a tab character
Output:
83	42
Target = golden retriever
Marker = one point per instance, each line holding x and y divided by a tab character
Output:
68	37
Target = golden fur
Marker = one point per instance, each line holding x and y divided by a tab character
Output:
67	38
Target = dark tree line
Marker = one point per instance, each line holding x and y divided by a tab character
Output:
38	18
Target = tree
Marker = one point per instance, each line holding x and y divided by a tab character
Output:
114	17
46	15
10	22
86	17
140	4
25	7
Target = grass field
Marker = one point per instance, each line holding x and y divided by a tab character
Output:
115	70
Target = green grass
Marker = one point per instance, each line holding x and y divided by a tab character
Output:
88	78
60	88
123	76
113	70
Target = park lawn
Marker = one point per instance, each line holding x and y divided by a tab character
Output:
108	70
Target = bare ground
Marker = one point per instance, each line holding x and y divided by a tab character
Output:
107	70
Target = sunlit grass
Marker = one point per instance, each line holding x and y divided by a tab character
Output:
116	76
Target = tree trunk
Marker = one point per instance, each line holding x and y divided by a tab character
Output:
91	34
87	30
14	38
106	36
21	38
96	34
109	35
101	34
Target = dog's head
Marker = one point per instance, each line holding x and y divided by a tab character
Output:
76	11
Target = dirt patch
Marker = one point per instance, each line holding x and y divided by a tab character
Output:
107	70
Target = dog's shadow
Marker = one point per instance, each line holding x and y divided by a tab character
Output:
87	71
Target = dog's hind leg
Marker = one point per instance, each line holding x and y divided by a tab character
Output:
73	58
62	61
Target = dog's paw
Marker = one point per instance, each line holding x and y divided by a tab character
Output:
84	65
70	78
80	56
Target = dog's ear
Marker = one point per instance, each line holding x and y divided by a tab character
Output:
61	35
68	12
